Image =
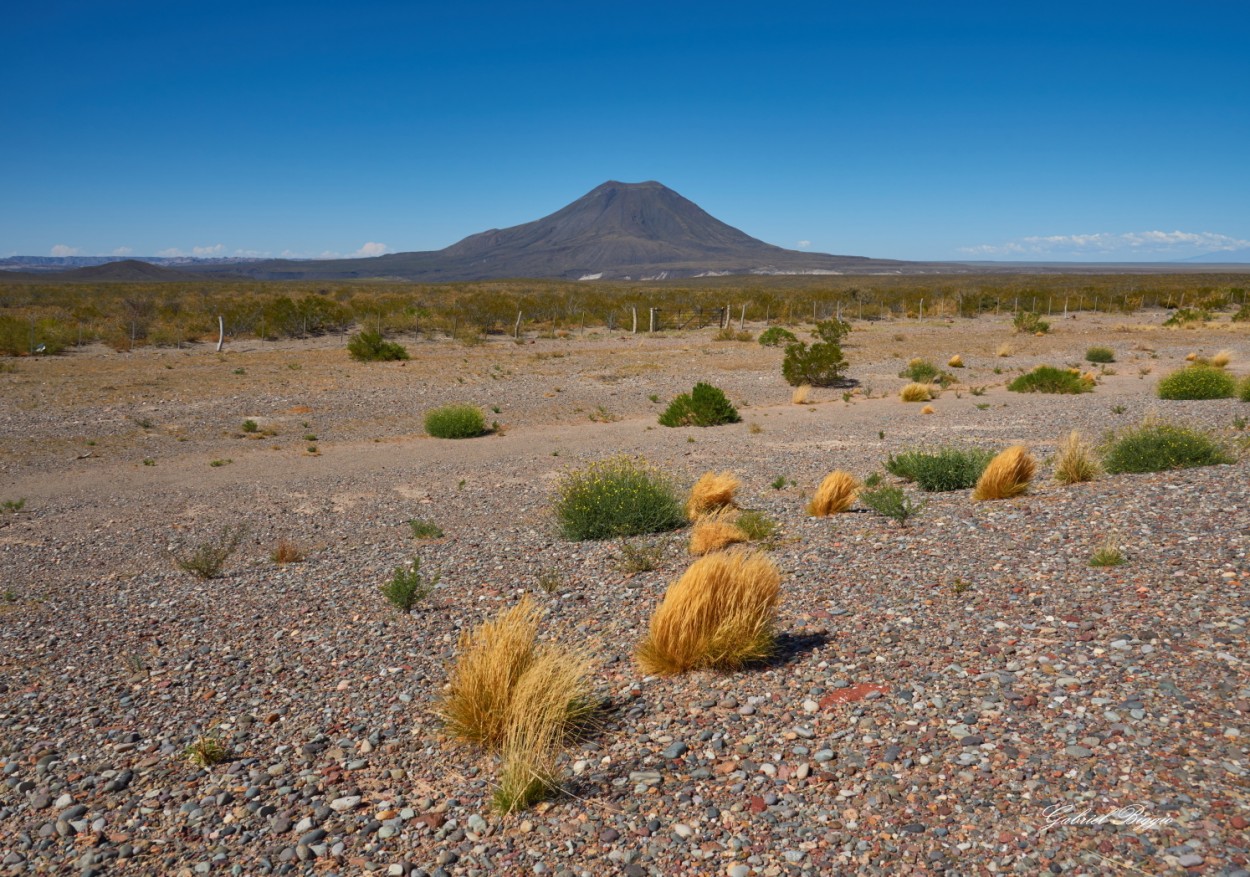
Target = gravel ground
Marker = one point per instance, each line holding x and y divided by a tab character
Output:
963	696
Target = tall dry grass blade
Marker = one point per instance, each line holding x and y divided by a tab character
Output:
1007	475
800	394
720	614
1075	461
492	658
714	532
835	494
1222	359
713	492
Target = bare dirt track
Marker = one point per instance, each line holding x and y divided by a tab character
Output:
944	691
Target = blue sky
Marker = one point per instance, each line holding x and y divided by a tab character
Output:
914	130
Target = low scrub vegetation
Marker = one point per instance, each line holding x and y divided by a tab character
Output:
455	422
1007	475
918	392
955	361
1108	553
775	336
1075	461
1198	382
1243	391
820	364
891	501
721	614
370	346
942	470
715	532
835	494
713	492
705	405
425	529
1049	379
1100	354
407	586
208	559
1158	447
286	552
616	497
1029	323
758	526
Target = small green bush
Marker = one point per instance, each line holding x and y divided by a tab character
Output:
757	525
1158	447
775	336
370	346
1243	392
616	497
1181	316
1198	382
1048	379
820	364
425	529
921	371
705	405
946	469
1243	314
455	422
892	502
208	558
1031	323
1100	354
250	425
407	586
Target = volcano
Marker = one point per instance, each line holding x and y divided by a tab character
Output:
617	231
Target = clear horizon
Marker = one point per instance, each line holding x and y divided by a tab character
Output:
1101	132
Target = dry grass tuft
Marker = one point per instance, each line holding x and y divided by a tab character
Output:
720	614
1191	357
955	361
1075	461
800	394
918	393
714	532
928	409
712	493
492	659
1007	475
1090	377
286	551
1222	359
836	494
1004	350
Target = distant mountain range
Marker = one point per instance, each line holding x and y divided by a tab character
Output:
617	231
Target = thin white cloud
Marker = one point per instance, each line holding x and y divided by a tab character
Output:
370	249
803	245
63	250
171	253
204	252
1103	243
122	251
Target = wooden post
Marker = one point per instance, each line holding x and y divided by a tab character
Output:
653	310
634	331
742	320
920	314
221	332
516	330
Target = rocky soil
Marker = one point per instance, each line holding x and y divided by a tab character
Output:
964	696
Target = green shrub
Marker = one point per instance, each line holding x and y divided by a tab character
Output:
820	364
616	497
1181	316
208	558
892	502
1031	323
775	336
1243	392
1198	382
921	371
250	425
946	469
1157	447
407	586
1243	314
369	346
705	405
1048	379
1100	354
425	529
455	422
757	525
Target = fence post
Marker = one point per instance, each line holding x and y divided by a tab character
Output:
634	331
742	320
221	332
653	310
516	330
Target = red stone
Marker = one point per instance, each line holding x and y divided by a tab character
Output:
850	695
1238	823
433	820
757	804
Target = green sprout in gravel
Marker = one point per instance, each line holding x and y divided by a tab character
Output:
407	587
758	526
892	502
205	752
425	529
1107	554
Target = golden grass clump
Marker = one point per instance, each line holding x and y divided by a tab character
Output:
1090	378
1075	461
1222	359
800	394
955	361
928	409
1007	475
834	495
1191	357
712	493
492	659
714	532
1005	349
720	614
918	392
